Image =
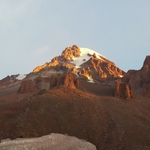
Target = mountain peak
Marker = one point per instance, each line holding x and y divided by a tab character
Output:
88	63
73	55
71	52
147	61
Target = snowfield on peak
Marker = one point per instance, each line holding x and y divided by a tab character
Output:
85	56
21	77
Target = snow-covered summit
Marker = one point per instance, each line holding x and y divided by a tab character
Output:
85	55
83	62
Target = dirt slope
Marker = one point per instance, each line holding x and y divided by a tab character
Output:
107	122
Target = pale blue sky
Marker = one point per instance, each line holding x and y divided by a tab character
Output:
32	32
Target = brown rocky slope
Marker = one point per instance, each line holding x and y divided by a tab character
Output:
93	115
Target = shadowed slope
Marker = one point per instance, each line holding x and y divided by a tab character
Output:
107	122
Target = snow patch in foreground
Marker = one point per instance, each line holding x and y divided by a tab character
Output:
21	76
48	142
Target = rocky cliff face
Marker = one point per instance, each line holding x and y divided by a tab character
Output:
139	80
27	86
69	80
99	69
123	90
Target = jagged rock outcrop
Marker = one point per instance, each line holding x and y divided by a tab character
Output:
123	90
99	69
69	80
27	86
71	52
139	80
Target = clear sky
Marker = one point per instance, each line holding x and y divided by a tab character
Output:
32	32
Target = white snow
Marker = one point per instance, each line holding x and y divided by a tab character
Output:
21	76
48	142
90	80
121	76
84	56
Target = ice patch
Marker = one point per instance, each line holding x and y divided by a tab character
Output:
21	76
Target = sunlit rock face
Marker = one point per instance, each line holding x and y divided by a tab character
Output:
122	90
67	55
48	142
38	68
71	52
83	62
100	69
139	80
68	80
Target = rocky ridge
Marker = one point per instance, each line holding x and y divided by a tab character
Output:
11	80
